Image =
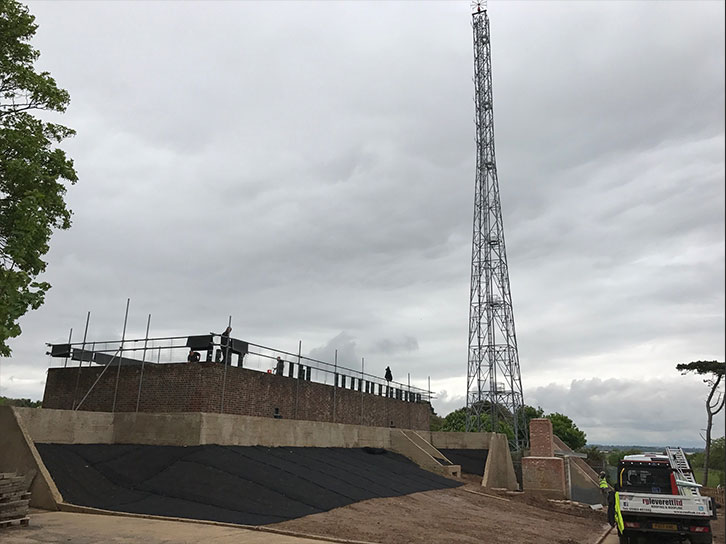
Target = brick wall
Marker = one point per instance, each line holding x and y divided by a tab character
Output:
544	476
197	387
540	438
542	472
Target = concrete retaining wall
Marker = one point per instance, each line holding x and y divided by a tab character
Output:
459	441
157	429
23	426
584	481
18	454
185	429
251	431
189	429
67	426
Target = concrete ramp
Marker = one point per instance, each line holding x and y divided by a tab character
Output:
251	485
582	480
420	451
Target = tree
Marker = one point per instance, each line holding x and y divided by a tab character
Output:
716	459
435	420
33	173
456	422
595	458
567	431
718	453
714	372
528	413
26	403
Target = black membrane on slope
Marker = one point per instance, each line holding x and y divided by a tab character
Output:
251	485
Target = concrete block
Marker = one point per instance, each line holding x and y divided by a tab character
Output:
499	469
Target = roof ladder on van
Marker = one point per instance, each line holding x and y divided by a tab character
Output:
683	472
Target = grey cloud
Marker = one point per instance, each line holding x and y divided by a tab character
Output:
345	346
314	174
387	345
445	402
631	411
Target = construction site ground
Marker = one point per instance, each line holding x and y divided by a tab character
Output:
468	514
287	494
442	516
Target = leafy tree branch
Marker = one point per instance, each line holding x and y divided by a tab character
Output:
34	173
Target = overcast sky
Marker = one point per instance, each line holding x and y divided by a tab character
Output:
308	169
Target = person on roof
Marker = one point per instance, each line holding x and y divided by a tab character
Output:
388	377
224	345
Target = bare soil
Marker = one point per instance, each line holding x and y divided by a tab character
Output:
468	514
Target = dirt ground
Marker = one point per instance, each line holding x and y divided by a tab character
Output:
47	527
468	514
461	515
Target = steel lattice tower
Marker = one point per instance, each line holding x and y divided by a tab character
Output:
493	385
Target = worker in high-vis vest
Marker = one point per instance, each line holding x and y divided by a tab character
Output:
604	488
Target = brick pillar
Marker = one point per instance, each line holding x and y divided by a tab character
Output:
540	438
543	473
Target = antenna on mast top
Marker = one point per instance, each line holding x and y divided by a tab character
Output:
477	6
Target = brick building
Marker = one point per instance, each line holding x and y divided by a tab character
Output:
206	387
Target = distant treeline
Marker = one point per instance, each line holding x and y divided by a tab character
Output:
641	449
24	403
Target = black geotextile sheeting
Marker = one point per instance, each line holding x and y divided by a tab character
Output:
471	461
252	485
